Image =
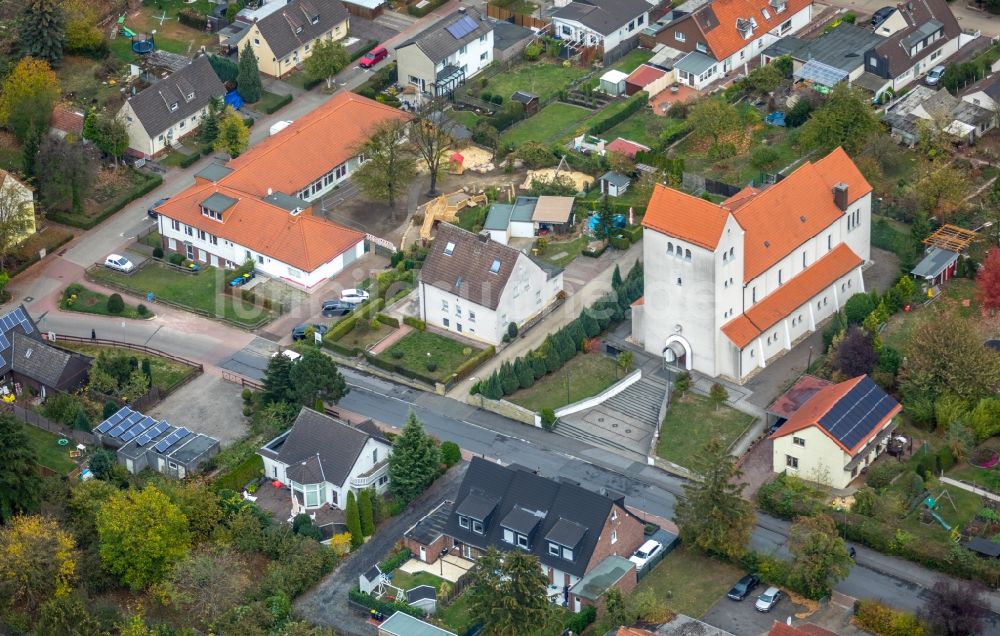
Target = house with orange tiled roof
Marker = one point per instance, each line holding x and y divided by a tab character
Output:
723	36
261	206
731	286
837	433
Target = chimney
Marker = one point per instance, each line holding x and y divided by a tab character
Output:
840	196
484	236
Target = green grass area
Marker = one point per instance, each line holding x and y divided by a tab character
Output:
523	7
988	478
408	581
171	34
268	102
166	372
455	616
200	292
173	159
81	80
562	253
899	331
363	336
585	375
553	122
741	169
966	506
419	347
692	421
88	301
299	79
689	582
541	79
470	218
50	453
466	118
632	60
643	127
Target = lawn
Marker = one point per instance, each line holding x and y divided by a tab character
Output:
88	301
898	332
553	122
268	102
470	218
78	80
542	79
418	348
407	581
466	118
692	421
643	127
199	292
632	60
688	582
740	169
966	506
152	239
586	374
171	35
166	372
50	453
363	336
455	616
561	254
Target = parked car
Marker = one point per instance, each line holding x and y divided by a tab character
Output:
299	331
767	600
934	76
373	57
152	209
119	263
337	308
354	296
645	552
743	587
881	16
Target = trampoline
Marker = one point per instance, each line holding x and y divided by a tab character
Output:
142	47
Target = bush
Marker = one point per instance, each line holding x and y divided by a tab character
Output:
192	19
632	106
388	321
883	621
115	304
858	307
548	419
142	310
531	53
188	160
415	322
176	259
273	108
420	12
157	252
451	454
579	621
764	157
395	560
619	243
385	607
799	113
881	475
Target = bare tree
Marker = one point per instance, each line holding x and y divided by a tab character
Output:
430	137
17	216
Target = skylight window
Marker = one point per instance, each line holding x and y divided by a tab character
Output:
449	248
495	267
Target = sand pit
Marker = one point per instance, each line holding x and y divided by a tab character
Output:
475	157
580	179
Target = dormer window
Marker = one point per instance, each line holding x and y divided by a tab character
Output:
212	214
298	29
554	549
477	526
315	20
174	106
463	522
767	16
189	96
567	554
778	5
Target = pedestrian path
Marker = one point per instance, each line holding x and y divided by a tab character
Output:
970	488
391	339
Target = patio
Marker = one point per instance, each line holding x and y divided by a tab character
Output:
666	98
449	567
278	502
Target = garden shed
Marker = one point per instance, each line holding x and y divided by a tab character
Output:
614	184
529	101
613	82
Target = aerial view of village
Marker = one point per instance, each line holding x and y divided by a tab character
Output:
499	317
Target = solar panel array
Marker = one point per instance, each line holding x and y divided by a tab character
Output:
171	439
462	27
112	421
857	413
155	431
127	425
7	322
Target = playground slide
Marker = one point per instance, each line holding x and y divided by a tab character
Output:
944	524
127	32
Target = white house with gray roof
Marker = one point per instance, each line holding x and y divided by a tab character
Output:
171	108
441	58
604	23
320	459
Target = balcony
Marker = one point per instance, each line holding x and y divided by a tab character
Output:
371	476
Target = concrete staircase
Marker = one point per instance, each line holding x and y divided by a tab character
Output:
640	402
568	430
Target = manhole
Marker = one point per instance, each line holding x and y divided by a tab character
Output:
614	425
28	299
628	430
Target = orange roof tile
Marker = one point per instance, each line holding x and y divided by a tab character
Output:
303	241
797	292
686	217
837	167
626	147
791	400
639	302
717	22
644	74
67	120
309	148
781	629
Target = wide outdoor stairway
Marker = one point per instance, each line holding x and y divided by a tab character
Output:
640	402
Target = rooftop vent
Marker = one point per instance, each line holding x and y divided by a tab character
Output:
767	243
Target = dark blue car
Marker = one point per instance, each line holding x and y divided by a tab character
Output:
152	209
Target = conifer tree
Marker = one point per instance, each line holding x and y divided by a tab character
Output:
413	462
353	520
248	80
42	30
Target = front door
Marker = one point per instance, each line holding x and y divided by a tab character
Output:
190	251
423	554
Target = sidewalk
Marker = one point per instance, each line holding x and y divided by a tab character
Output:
597	285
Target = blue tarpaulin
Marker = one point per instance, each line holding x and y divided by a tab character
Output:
618	221
233	99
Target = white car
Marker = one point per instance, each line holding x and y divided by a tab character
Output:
645	552
767	600
354	296
288	353
119	263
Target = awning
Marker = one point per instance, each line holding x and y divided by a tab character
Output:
820	73
872	443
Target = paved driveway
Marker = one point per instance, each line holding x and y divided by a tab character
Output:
742	619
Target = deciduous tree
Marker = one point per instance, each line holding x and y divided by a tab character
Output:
718	395
207	583
66	172
111	137
846	120
37	561
715	119
988	280
19	483
712	514
248	79
67	616
327	59
855	354
315	376
389	167
940	189
509	594
17	216
430	138
955	608
42	30
413	462
27	98
82	34
820	556
234	136
142	535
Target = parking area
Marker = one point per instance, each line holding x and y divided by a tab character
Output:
740	617
208	405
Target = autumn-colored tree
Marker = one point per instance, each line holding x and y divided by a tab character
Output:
82	34
820	556
234	136
940	189
37	561
17	216
988	280
27	99
142	535
206	583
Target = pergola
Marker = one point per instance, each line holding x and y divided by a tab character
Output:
951	238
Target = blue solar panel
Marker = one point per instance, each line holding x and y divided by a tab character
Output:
137	428
152	433
171	439
462	27
4	343
110	423
857	414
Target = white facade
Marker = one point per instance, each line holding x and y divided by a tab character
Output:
527	293
327	182
809	453
149	143
316	495
574	31
416	69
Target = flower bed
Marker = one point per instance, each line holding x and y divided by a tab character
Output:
985	460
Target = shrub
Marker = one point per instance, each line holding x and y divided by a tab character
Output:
115	304
619	243
395	560
192	19
486	96
579	621
531	53
284	101
246	395
512	330
87	222
176	259
883	621
451	454
415	322
799	113
142	310
397	354
764	157
858	307
431	365
548	419
881	475
157	252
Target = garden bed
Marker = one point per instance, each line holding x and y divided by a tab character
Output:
586	375
691	422
166	372
80	299
418	348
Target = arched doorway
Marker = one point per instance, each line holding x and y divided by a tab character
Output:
677	352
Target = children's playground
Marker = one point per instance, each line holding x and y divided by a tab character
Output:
138	33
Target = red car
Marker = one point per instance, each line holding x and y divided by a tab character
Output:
373	57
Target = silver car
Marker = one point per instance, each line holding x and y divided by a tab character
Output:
767	600
119	263
934	76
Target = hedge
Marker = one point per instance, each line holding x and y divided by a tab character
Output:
192	19
884	621
340	329
87	222
385	607
370	309
633	233
32	257
472	363
395	560
415	322
594	253
281	103
387	320
392	367
619	242
632	106
379	81
188	160
240	475
336	347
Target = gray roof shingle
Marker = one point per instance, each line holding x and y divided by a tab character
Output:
437	43
923	18
44	363
301	21
152	106
466	272
603	16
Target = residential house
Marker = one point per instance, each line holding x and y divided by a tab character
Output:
321	459
938	110
475	286
614	184
582	539
171	108
985	93
612	25
730	286
918	36
722	36
442	57
835	56
509	40
283	38
19	193
32	363
259	206
837	433
142	442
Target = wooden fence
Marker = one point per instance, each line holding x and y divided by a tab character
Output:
128	345
520	19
